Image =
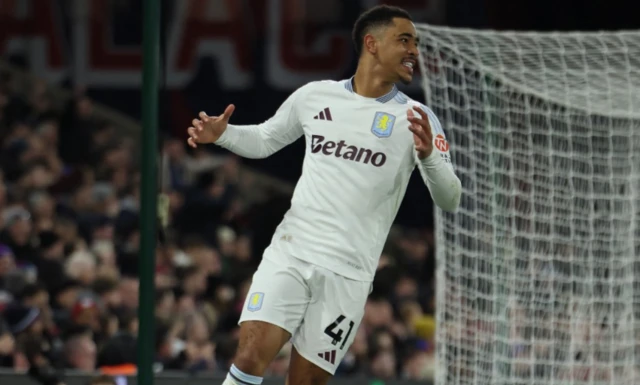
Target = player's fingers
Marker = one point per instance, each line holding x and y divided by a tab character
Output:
228	112
424	116
419	131
410	113
197	124
417	141
421	112
416	119
428	134
419	119
416	134
203	116
413	118
192	133
192	142
424	128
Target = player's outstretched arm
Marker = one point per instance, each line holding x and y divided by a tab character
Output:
250	141
438	175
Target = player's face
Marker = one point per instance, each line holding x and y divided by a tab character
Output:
399	50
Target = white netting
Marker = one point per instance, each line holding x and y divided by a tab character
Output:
537	275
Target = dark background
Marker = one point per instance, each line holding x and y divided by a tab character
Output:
118	23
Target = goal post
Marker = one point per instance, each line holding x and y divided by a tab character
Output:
537	279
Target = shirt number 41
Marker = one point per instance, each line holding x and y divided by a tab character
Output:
335	332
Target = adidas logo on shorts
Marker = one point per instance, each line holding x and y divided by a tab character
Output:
329	356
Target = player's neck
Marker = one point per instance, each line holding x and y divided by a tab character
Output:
367	84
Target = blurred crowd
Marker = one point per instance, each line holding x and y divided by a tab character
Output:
69	232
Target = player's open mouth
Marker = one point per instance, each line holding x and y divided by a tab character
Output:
409	64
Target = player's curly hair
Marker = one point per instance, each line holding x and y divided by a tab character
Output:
379	16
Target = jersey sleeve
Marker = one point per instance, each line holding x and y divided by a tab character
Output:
262	140
437	170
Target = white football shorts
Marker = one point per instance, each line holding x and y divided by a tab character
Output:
321	309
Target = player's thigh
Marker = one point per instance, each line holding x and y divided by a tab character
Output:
272	312
331	320
305	372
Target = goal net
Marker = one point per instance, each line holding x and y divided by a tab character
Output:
537	275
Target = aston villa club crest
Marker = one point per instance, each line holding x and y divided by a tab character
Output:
383	124
255	301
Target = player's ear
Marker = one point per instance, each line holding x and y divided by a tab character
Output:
370	43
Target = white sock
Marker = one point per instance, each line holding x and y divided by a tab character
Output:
238	377
229	381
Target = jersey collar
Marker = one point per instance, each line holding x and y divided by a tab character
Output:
383	99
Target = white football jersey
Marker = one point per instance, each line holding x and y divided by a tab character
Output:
358	160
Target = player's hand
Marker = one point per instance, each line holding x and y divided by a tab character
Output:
208	129
422	134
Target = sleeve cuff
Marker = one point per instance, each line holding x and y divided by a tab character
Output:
432	160
225	137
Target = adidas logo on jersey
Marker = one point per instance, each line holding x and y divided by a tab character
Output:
324	115
343	150
329	356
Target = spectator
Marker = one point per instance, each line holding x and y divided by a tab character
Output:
194	281
23	319
7	263
108	293
85	313
419	364
7	346
81	266
80	350
65	296
51	246
165	305
36	296
199	353
129	292
17	233
383	365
